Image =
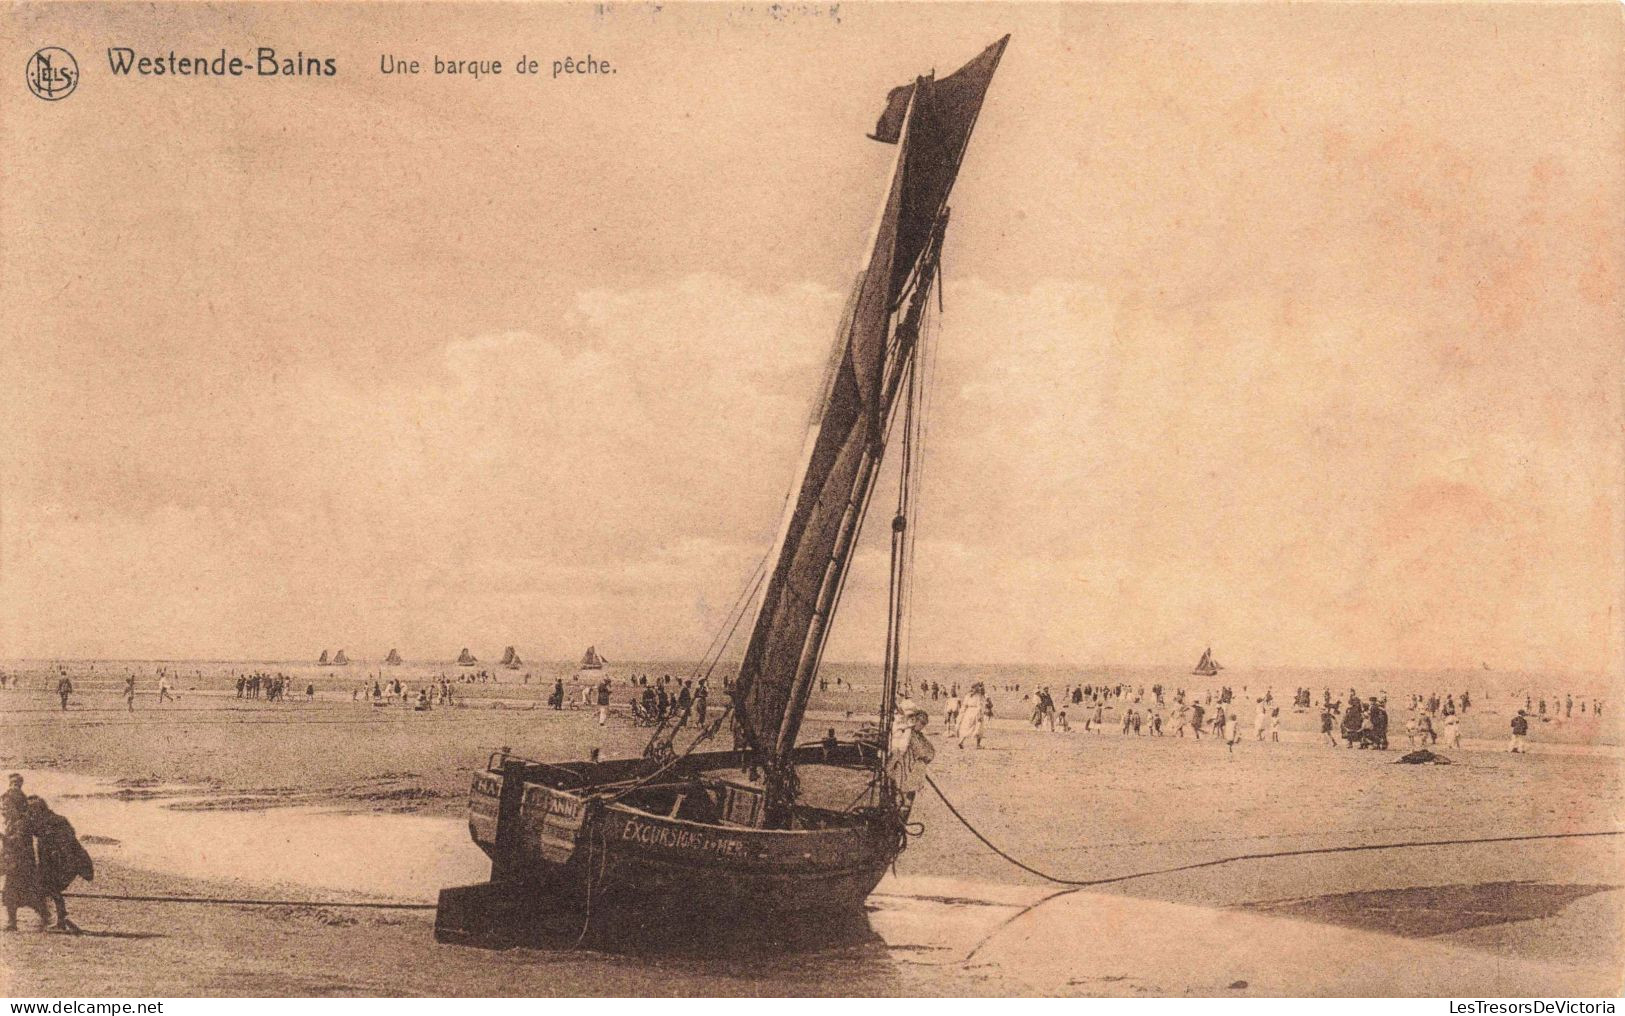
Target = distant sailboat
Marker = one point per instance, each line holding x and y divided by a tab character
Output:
324	662
466	658
1207	666
393	659
511	660
341	660
592	661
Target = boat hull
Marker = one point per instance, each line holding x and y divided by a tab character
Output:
565	864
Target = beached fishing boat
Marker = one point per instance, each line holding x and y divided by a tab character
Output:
466	658
511	660
1207	666
590	660
340	660
773	834
324	661
393	659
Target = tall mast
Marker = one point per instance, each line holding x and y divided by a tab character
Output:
897	584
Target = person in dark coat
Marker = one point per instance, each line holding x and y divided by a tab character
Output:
22	888
62	858
1353	722
1377	716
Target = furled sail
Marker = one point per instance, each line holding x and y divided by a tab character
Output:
340	660
323	661
507	656
931	120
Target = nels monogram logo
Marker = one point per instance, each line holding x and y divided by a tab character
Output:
53	73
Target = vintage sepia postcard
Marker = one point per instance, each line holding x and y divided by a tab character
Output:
812	499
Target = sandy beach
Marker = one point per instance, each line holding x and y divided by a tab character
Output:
1540	916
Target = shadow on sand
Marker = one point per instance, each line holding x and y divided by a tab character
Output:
1425	911
484	916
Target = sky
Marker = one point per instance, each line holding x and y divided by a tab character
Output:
1294	330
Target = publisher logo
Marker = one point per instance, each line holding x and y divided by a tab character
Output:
53	73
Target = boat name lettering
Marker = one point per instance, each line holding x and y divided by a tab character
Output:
683	839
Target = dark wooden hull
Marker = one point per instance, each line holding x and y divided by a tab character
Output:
564	862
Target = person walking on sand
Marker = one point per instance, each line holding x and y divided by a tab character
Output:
911	751
1520	734
129	692
973	715
21	869
62	858
603	702
1452	731
64	688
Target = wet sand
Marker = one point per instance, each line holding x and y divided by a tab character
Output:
1546	916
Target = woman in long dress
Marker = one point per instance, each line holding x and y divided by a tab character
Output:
972	715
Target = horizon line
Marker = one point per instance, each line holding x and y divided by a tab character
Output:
1052	665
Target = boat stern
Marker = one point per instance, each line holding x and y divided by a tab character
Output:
484	810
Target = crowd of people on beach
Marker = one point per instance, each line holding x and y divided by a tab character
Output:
1355	722
669	699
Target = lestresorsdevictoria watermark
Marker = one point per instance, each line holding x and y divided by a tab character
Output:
1533	1007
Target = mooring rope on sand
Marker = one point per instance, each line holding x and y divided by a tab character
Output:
226	901
1301	852
1076	885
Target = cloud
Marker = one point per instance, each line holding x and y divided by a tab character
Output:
1105	478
